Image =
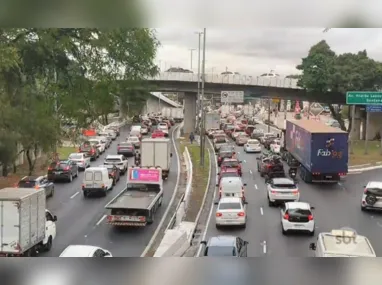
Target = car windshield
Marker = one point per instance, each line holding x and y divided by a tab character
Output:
75	156
253	142
27	184
229	206
230	164
133	139
229	174
221	251
225	154
125	145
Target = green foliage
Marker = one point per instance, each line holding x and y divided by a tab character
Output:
48	76
324	71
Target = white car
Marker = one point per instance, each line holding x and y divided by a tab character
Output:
134	141
275	146
163	127
144	130
80	159
252	145
99	143
231	211
85	251
281	190
297	217
266	136
111	133
372	196
118	160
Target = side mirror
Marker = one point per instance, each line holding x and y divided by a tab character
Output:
170	154
203	242
245	203
312	208
218	173
257	158
107	254
245	184
54	218
216	203
246	243
217	185
312	246
240	161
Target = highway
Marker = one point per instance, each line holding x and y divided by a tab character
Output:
336	206
82	221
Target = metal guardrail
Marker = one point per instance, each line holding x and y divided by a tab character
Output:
281	82
173	218
189	168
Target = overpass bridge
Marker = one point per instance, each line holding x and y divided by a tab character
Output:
255	87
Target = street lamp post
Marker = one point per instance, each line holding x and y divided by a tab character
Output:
198	95
202	131
191	50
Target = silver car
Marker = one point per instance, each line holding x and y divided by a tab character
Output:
232	187
81	159
372	196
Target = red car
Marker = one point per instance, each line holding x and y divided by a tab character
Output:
249	129
231	163
228	172
157	134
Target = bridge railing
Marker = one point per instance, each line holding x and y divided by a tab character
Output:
229	79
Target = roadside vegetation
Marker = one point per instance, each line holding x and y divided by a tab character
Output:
54	82
199	181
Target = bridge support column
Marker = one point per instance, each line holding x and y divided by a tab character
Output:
189	112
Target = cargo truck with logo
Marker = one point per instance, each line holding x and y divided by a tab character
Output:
321	150
137	204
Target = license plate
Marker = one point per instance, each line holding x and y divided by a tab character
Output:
129	218
299	226
89	185
329	176
57	172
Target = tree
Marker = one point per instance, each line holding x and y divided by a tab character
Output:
293	76
323	71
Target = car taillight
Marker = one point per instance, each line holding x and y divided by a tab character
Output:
269	166
110	218
273	192
241	214
50	168
37	187
103	186
295	191
219	214
92	151
310	217
118	148
286	217
67	168
83	186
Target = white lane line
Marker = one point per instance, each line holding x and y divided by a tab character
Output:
211	210
265	247
238	152
244	161
74	195
250	171
175	133
100	220
256	186
261	211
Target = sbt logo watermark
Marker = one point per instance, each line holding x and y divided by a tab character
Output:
347	236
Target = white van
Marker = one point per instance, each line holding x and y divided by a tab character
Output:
342	243
96	180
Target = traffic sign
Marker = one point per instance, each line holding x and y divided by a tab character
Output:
373	108
363	98
315	109
232	96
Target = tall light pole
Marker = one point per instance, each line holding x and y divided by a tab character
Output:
191	51
198	95
202	131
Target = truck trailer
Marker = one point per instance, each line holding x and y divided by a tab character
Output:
137	204
27	228
156	152
321	150
212	121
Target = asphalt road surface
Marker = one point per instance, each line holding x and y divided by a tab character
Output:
82	221
336	206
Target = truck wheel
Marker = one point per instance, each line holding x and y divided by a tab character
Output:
151	219
86	194
48	245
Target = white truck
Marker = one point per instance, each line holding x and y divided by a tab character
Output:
248	110
225	110
212	121
27	228
177	114
137	204
156	153
166	112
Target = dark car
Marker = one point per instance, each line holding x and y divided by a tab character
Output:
225	153
91	150
268	141
257	134
114	172
62	170
269	164
172	121
127	149
37	182
229	246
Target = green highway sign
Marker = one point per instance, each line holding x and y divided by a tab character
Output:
363	98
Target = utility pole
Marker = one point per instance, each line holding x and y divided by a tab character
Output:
269	115
352	131
367	130
202	131
191	50
198	99
56	109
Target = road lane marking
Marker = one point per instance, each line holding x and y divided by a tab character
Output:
261	211
256	186
100	220
244	161
250	171
238	152
74	195
265	247
154	236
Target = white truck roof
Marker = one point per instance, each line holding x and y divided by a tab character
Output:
11	194
354	245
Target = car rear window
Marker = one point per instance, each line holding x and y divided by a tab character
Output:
229	206
231	164
375	191
221	251
89	176
220	140
299	212
283	186
27	184
125	145
133	139
113	160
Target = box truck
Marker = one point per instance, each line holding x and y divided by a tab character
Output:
27	228
212	121
321	150
156	153
177	114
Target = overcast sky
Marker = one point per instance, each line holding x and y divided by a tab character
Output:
257	51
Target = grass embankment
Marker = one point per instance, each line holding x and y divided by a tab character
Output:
199	180
359	157
65	151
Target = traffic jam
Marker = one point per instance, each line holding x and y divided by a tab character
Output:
148	144
302	148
